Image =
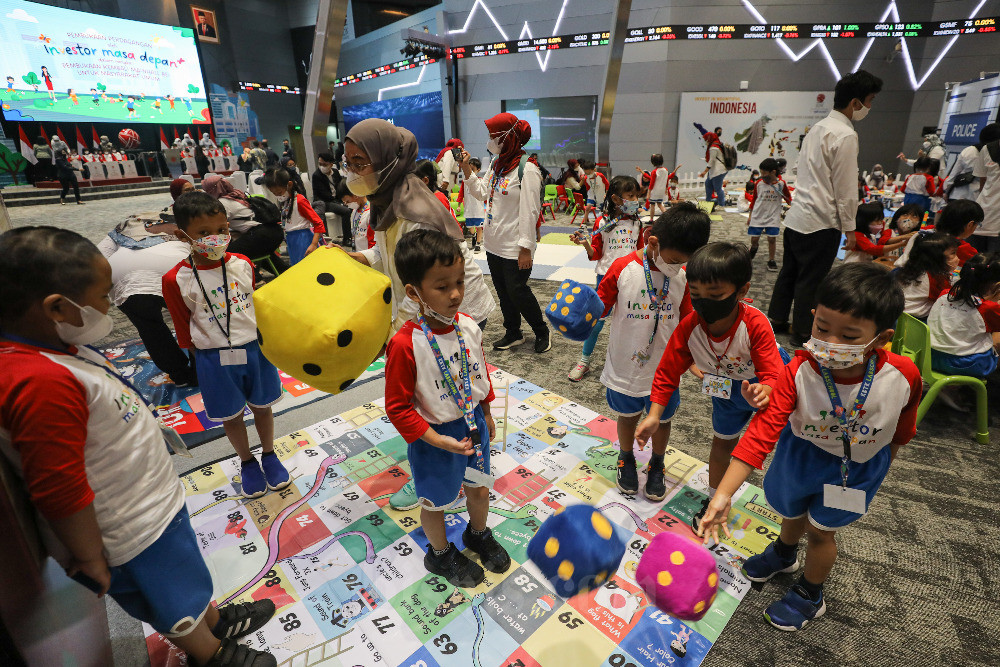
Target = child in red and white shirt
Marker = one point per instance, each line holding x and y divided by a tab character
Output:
303	226
648	293
920	186
964	323
659	180
927	272
732	346
845	404
872	239
765	211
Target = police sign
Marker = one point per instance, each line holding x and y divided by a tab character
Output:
963	128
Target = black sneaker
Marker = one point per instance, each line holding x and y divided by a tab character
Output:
543	342
508	342
772	265
240	620
491	553
454	566
656	487
798	340
699	515
232	654
628	479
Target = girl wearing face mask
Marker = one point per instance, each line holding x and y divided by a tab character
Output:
872	240
362	233
616	233
961	218
928	272
303	227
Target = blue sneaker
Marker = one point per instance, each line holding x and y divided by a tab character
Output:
252	479
765	565
277	477
795	610
405	498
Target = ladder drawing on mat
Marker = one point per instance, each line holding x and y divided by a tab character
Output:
319	654
530	488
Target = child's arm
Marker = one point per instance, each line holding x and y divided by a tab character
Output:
179	312
607	291
675	360
767	362
864	244
906	428
990	312
318	226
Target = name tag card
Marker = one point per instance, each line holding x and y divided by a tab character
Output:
837	497
717	386
237	357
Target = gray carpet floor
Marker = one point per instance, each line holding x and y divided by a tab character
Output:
916	581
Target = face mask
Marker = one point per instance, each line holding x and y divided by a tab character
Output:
326	170
493	147
95	326
669	270
907	226
859	114
430	311
877	174
630	207
836	355
282	198
713	310
927	146
353	206
875	228
211	247
363	185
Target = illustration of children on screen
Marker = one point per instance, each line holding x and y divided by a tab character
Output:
171	99
187	103
48	84
72	97
131	107
156	105
96	97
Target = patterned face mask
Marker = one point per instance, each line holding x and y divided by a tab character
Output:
211	247
836	355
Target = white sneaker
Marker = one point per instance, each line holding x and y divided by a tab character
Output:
579	371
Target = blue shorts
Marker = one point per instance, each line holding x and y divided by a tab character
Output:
630	406
794	481
226	390
976	365
439	475
757	231
298	242
923	201
731	415
591	202
473	222
167	584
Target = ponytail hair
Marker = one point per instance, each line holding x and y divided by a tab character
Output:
927	256
980	273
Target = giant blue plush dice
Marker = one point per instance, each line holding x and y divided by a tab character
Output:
576	549
574	310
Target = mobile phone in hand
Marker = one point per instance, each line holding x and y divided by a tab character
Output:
457	154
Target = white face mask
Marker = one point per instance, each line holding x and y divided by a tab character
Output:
906	226
669	270
836	355
859	114
327	169
427	310
876	227
877	173
96	325
353	206
493	146
282	198
363	185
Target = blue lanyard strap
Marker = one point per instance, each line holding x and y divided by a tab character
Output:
654	298
208	302
607	227
847	420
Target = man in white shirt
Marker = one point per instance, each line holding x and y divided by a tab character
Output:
987	171
825	205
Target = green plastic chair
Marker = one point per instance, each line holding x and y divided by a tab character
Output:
551	194
268	263
455	188
913	340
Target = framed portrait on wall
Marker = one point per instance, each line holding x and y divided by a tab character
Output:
205	25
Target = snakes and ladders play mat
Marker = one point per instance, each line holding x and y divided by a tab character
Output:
346	574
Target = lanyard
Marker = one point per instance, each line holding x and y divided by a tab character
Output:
211	309
607	227
847	421
463	399
356	220
494	181
711	347
654	299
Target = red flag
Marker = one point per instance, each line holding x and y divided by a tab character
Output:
26	150
60	135
81	145
44	134
97	139
176	133
211	133
163	140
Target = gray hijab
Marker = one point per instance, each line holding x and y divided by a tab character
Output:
393	152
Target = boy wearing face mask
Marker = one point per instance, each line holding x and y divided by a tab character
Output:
838	415
92	456
210	298
765	210
732	347
648	292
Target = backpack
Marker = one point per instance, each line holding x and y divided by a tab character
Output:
729	157
264	210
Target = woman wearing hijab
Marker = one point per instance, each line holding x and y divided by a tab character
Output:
716	169
512	197
876	179
379	159
449	165
250	237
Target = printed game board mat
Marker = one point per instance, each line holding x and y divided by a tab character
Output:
182	407
346	572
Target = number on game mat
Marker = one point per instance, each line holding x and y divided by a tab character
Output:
407	521
248	548
403	548
638	545
352	581
569	620
448	646
290	622
351	495
219	494
375	519
437	587
272	578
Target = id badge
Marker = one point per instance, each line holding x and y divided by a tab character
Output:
837	497
233	357
174	442
717	386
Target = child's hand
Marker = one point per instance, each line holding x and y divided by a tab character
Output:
695	371
96	569
575	238
715	516
312	246
757	395
647	427
491	426
450	444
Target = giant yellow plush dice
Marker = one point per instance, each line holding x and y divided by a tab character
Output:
325	319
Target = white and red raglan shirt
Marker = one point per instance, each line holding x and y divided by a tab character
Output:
416	396
624	289
77	435
800	401
920	295
624	238
659	180
196	322
919	184
765	209
960	329
304	217
745	352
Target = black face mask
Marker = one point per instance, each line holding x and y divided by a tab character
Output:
713	310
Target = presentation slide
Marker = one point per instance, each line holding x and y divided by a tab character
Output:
561	127
423	115
64	65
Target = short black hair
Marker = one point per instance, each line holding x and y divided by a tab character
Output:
476	162
425	169
656	159
343	190
865	290
768	164
683	227
38	261
782	162
954	217
418	251
866	215
588	164
721	262
278	177
326	157
263	142
718	131
195	204
989	133
855	86
255	144
907	209
922	163
934	167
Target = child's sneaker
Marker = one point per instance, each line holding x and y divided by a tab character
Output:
579	371
274	471
795	610
699	515
765	565
772	265
231	654
656	487
491	553
454	566
405	499
252	479
628	479
240	620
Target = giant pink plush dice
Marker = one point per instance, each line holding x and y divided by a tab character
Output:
679	576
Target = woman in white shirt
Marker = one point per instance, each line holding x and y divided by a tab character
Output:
960	180
512	197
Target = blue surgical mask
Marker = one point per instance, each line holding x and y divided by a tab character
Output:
630	207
